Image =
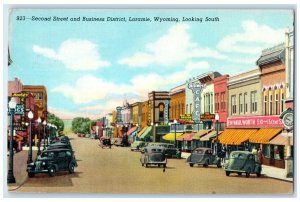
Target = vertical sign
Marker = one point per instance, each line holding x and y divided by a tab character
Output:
166	111
119	115
196	88
20	110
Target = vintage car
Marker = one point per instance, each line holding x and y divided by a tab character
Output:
170	149
52	161
60	145
203	156
137	145
242	162
154	156
105	142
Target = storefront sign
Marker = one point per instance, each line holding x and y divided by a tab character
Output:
254	122
207	116
119	115
21	94
196	88
186	117
166	111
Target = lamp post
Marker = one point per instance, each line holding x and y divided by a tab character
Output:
44	124
10	177
49	125
30	116
217	130
39	142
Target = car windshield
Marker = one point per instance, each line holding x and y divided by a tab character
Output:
238	156
198	151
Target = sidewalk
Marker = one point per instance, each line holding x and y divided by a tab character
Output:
20	166
269	171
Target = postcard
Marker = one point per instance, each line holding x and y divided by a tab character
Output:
150	101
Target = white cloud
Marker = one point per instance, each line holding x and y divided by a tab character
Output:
89	88
75	54
139	59
252	40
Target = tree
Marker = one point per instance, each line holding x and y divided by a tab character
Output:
81	125
57	122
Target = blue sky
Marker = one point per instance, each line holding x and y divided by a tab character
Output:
89	68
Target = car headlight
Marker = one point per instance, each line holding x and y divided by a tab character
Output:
44	163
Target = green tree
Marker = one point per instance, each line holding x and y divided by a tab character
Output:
57	122
81	125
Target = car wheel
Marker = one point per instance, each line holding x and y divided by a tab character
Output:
164	165
191	165
258	174
71	168
219	164
146	165
30	174
248	172
239	173
206	164
52	171
227	173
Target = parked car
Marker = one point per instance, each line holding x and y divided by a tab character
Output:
52	161
242	162
105	142
154	156
137	145
203	156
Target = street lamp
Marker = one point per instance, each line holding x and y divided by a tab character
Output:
30	116
10	177
39	143
217	130
44	124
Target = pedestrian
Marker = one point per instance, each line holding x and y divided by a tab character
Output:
223	153
254	152
260	156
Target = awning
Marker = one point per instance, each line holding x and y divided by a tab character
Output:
147	132
186	137
131	130
209	135
171	136
264	135
236	136
142	131
200	134
282	140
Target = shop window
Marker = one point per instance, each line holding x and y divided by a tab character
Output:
211	103
161	107
282	101
265	104
270	103
223	104
276	103
266	150
278	152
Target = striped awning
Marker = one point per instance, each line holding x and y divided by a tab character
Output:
147	132
200	134
142	131
264	135
186	137
282	140
236	136
171	136
131	130
209	135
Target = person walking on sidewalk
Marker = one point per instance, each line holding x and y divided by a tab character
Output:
254	152
260	156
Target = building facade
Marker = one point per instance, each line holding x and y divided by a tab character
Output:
137	113
177	102
290	68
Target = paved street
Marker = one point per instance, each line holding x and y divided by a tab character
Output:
118	171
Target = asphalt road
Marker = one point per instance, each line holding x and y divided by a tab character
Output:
118	171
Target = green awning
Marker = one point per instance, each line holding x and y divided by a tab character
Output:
147	132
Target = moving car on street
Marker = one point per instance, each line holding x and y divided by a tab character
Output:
153	156
242	162
137	145
203	156
52	161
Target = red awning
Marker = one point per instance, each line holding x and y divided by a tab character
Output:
131	130
186	137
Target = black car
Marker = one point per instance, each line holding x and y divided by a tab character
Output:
60	145
52	161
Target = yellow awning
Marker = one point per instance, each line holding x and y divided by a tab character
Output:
200	134
142	131
264	135
236	136
171	136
